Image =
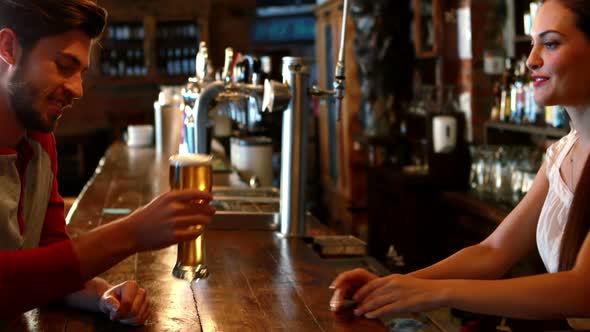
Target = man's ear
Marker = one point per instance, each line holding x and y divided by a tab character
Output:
9	46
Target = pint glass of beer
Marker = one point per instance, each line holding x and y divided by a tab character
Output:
191	171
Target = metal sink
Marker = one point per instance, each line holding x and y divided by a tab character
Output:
246	208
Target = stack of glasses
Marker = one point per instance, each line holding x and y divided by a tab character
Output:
504	173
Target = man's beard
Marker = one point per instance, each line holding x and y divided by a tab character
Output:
22	96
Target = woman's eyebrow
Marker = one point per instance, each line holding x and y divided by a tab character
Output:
546	32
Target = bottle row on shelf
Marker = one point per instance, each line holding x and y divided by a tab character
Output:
177	31
514	99
130	62
165	31
125	32
177	61
123	51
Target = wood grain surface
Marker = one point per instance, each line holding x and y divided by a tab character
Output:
258	280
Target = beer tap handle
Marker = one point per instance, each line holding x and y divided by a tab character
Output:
202	62
339	73
276	96
317	92
226	76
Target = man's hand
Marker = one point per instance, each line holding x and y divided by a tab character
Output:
126	303
172	217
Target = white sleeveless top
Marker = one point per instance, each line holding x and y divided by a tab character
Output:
555	211
557	203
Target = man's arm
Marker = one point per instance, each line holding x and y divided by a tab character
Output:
31	278
48	273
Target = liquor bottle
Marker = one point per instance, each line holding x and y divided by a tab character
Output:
517	95
505	95
495	113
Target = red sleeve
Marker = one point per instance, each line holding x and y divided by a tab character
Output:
31	278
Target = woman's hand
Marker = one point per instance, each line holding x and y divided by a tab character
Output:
126	303
398	294
172	217
345	285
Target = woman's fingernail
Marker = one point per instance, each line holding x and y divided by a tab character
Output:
357	312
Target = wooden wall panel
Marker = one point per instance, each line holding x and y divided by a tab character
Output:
338	193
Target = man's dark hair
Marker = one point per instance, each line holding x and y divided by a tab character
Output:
32	20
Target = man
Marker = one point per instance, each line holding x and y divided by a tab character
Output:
44	51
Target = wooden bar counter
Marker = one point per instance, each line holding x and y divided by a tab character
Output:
258	280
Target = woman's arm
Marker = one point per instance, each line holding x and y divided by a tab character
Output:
513	239
546	296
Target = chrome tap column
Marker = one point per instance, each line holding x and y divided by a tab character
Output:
294	147
292	97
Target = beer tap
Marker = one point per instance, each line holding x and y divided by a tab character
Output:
204	92
226	74
292	98
202	63
340	72
191	95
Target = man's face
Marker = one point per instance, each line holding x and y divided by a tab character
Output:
48	78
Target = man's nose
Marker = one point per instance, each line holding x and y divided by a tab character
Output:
75	87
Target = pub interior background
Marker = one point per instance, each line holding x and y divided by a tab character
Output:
438	136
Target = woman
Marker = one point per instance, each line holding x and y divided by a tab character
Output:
554	216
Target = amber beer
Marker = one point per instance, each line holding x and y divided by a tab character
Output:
191	171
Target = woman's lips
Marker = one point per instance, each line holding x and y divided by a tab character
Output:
540	80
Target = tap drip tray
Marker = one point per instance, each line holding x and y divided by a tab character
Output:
262	194
246	209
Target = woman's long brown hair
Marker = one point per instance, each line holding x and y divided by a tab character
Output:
578	224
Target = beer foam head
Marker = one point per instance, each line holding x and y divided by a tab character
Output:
190	159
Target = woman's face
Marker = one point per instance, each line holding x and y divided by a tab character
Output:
560	58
